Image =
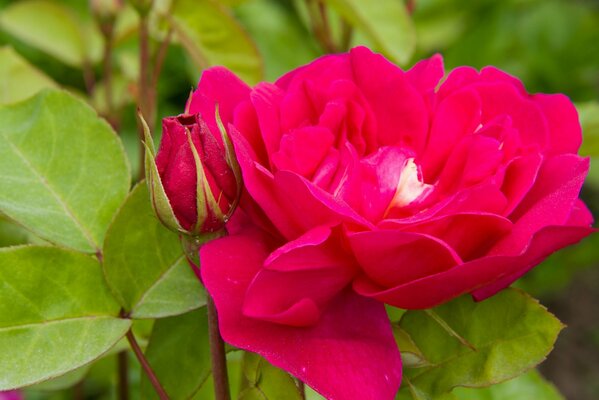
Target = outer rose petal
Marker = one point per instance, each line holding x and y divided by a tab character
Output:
580	217
565	133
349	354
300	278
436	289
425	75
549	202
392	258
219	86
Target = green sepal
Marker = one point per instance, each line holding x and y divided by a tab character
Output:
202	187
159	199
231	162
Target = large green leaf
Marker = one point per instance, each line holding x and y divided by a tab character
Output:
63	171
387	25
263	381
56	314
211	36
476	344
49	26
19	79
530	386
179	352
145	265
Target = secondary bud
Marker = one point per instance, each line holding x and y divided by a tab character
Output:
194	179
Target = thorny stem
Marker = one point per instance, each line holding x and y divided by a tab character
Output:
301	387
217	353
146	366
88	77
320	25
79	390
145	91
108	32
346	35
411	6
123	367
162	51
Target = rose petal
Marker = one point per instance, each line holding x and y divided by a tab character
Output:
219	86
339	358
565	133
456	116
470	235
401	119
392	258
300	278
436	289
425	75
549	202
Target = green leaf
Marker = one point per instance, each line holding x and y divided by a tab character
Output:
63	171
589	119
388	25
525	387
11	234
411	356
179	353
510	333
211	36
263	381
64	381
56	314
145	265
49	26
19	79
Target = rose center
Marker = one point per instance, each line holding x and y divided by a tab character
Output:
410	187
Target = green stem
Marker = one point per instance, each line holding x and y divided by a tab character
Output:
301	387
123	367
146	92
217	353
146	366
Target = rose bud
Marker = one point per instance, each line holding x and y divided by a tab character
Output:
194	178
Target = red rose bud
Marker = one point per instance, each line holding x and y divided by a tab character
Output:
194	179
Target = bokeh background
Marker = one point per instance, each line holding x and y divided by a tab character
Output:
551	45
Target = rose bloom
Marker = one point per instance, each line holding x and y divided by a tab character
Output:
368	185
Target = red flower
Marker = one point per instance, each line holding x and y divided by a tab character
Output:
366	183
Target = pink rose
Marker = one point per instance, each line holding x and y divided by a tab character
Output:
178	168
369	185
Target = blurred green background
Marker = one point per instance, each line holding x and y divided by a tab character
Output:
551	45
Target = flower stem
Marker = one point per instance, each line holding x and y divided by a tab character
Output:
145	91
301	387
123	367
217	354
146	366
